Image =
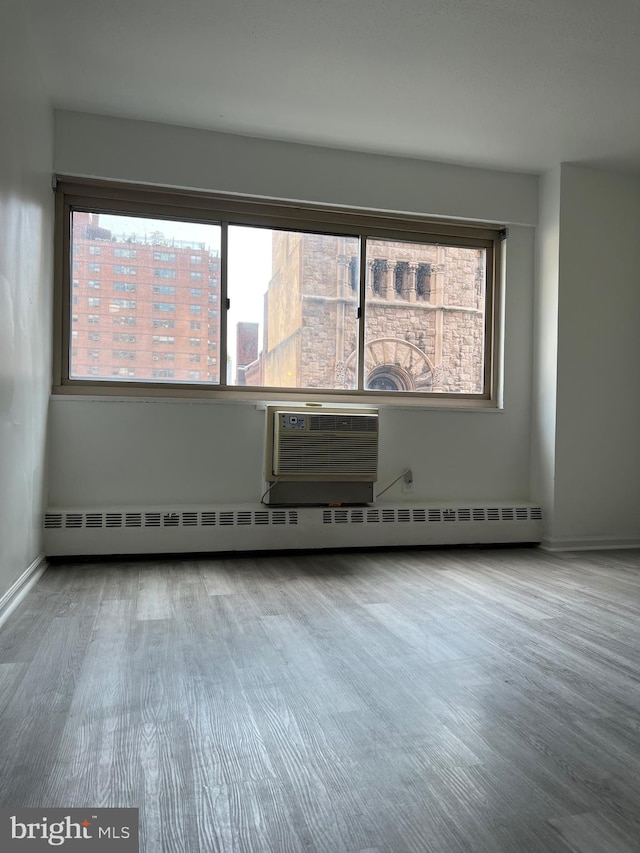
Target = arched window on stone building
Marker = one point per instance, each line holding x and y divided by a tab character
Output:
423	281
389	377
354	274
400	277
378	271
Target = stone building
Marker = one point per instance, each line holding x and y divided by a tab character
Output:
424	317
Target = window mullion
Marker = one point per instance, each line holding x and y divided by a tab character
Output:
223	306
362	310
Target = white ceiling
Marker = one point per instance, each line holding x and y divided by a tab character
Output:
513	84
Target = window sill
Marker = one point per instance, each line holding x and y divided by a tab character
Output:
262	397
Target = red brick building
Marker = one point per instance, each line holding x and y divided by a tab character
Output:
143	307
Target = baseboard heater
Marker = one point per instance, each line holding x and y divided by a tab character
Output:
249	527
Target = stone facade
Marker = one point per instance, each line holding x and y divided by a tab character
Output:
424	318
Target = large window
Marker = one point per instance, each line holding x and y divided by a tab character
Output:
307	302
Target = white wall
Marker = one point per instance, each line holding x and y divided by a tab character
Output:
124	452
165	155
26	232
546	347
597	476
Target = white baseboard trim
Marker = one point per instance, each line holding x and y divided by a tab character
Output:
589	543
14	595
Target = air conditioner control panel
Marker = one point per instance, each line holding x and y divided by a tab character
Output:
289	420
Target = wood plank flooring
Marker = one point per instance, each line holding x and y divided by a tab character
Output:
436	701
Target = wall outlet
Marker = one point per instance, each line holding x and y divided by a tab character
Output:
407	483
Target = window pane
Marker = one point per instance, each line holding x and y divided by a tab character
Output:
292	321
425	318
132	251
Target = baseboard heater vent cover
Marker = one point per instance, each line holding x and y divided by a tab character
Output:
170	518
250	527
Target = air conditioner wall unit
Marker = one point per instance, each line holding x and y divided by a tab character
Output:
321	455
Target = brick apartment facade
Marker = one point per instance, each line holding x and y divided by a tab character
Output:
143	308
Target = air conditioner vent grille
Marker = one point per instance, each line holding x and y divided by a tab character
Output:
343	423
327	455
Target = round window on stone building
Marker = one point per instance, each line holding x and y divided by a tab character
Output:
389	377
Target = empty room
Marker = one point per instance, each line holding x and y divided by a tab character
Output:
319	419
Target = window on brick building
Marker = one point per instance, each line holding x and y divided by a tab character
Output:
299	301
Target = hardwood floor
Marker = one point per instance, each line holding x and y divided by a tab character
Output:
437	701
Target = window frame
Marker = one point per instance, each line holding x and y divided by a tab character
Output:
218	209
